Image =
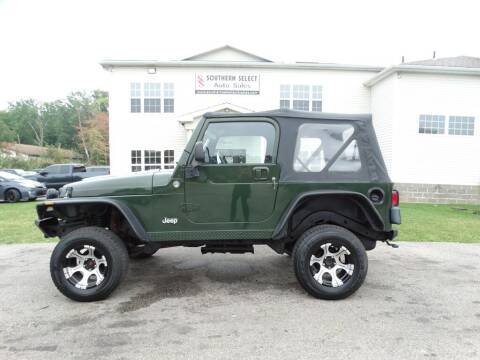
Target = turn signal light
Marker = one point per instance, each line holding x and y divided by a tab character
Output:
395	198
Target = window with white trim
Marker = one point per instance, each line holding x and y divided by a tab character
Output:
461	125
135	97
301	97
284	96
136	160
152	159
151	101
168	98
168	159
317	98
431	124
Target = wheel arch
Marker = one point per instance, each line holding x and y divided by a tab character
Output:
48	214
11	187
326	211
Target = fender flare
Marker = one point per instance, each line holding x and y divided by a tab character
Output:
132	219
374	218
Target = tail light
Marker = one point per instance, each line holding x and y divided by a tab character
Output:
395	198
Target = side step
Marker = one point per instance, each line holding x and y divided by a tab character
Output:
227	248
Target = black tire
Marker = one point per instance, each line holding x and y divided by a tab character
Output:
108	245
12	195
312	243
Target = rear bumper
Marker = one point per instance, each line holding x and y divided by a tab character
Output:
395	217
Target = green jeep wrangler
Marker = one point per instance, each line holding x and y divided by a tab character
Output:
310	185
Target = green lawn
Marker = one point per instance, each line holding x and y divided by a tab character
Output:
16	223
451	223
421	222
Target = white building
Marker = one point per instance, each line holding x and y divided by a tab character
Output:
425	113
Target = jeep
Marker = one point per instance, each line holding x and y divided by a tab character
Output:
313	186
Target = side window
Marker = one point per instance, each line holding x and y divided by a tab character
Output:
64	169
317	145
349	160
53	169
78	169
239	143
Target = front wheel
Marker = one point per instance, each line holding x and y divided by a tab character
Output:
88	264
330	262
12	195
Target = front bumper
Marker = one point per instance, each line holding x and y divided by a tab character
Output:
37	192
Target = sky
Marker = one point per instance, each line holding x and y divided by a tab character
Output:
49	48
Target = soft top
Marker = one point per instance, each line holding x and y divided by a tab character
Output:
292	114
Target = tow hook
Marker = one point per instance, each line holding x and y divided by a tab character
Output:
395	246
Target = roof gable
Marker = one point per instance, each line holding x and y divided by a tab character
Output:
226	53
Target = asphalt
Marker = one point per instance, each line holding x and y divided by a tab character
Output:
421	301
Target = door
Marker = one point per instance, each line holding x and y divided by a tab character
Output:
55	175
238	181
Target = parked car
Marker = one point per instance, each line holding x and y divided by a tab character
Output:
14	188
23	173
311	185
57	175
99	170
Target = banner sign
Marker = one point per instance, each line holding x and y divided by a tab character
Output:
237	84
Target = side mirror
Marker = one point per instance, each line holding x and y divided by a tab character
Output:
43	172
199	153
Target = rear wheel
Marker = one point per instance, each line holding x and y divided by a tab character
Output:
330	262
88	264
12	195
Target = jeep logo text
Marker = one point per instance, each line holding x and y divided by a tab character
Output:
169	220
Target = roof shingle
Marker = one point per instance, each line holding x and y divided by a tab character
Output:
457	61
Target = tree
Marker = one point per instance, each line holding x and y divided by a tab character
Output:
80	122
6	133
84	107
96	139
26	120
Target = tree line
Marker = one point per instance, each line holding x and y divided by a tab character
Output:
78	123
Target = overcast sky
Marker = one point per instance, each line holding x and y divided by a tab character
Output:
50	48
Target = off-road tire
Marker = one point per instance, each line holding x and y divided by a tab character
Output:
310	242
12	195
109	244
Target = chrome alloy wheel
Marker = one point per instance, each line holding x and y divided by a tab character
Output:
85	267
331	266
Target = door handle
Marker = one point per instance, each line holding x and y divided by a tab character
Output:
260	172
275	183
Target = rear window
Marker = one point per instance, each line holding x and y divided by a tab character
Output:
318	146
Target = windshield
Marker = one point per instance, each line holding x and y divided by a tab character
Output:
8	176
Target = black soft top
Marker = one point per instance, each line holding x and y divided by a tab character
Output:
373	167
293	114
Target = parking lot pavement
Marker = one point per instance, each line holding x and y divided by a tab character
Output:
420	301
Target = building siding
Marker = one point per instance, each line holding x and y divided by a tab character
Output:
342	91
436	159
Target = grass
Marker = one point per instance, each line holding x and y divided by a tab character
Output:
16	224
449	223
421	222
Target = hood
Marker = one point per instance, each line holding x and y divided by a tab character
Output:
134	184
28	183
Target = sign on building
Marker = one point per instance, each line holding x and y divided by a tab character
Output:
227	83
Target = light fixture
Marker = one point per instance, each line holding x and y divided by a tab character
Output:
152	70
